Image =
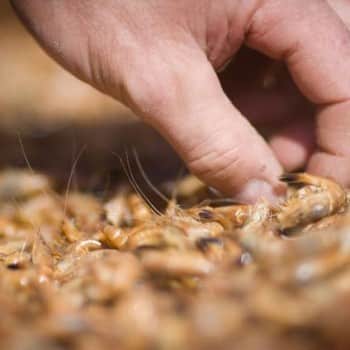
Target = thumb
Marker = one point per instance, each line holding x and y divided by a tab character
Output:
182	98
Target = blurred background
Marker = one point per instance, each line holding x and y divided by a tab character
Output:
49	117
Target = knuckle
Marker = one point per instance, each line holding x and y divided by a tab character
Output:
151	89
269	27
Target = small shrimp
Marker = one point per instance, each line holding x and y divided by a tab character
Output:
256	235
108	273
146	237
114	237
38	210
117	211
19	184
311	199
230	217
176	264
317	254
213	248
17	260
71	232
118	270
85	209
157	235
86	246
315	268
141	212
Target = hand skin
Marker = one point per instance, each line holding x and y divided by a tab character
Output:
160	58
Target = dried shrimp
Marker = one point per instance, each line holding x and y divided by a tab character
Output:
79	272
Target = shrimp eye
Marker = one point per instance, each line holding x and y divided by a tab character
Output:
13	265
204	243
205	214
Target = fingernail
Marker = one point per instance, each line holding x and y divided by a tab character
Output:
258	189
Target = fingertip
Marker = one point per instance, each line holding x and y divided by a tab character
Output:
256	189
234	157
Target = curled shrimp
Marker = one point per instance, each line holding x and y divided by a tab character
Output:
310	198
230	217
176	264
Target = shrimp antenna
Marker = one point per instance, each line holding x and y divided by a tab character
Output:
26	159
136	186
70	179
128	172
146	178
148	201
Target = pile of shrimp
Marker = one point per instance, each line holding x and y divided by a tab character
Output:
81	272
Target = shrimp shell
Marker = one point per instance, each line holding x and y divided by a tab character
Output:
117	211
177	264
186	278
312	199
19	184
114	237
230	217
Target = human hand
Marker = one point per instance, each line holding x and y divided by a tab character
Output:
263	90
159	57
